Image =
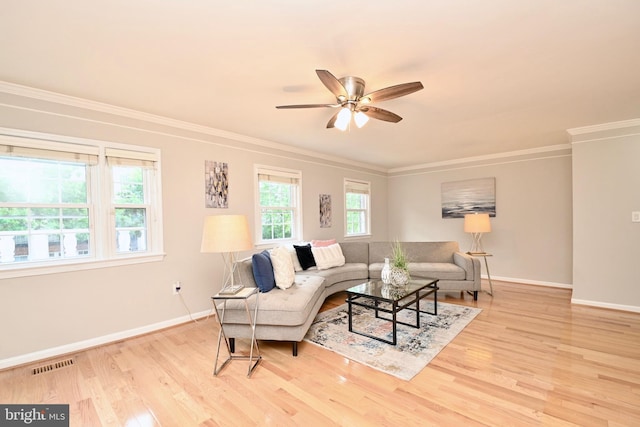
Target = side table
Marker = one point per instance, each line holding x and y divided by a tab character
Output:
243	295
486	264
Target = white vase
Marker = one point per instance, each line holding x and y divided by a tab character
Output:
385	274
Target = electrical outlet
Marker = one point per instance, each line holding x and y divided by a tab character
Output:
635	216
176	287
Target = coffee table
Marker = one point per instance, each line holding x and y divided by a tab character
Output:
390	299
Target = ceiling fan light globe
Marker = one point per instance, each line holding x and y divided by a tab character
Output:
344	117
361	119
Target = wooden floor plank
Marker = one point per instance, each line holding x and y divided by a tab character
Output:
529	358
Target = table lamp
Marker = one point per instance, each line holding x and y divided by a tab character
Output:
476	224
227	234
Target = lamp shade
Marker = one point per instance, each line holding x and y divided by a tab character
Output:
226	233
477	223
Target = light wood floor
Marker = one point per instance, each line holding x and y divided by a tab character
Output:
530	358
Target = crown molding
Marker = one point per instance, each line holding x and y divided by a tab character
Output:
72	101
603	127
485	158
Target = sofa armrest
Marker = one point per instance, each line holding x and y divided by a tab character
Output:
244	269
469	264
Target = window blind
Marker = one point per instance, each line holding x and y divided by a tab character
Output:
45	150
283	177
358	187
121	157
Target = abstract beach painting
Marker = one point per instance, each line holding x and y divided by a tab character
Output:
469	196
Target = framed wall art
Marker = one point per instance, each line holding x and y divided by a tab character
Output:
216	183
470	196
325	211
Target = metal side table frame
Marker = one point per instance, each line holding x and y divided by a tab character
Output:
486	264
244	295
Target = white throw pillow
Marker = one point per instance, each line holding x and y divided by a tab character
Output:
328	256
294	256
282	267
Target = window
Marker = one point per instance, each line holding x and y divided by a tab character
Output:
63	203
357	207
131	179
44	209
279	214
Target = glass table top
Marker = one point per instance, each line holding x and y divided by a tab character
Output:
377	289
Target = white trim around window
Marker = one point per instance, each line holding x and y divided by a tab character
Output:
73	214
278	195
357	208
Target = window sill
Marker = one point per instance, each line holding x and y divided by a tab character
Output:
273	243
8	272
358	236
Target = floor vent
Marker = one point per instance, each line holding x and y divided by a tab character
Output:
52	366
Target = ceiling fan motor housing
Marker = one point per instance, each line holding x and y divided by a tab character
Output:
354	87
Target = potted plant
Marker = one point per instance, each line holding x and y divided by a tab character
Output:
399	265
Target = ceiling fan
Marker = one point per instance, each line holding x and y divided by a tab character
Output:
353	103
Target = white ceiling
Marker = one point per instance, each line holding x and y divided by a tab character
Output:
499	75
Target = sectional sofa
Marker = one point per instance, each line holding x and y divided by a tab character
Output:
287	314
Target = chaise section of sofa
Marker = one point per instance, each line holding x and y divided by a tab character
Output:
283	314
287	314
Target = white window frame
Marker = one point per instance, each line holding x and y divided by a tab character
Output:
118	157
285	174
359	187
99	199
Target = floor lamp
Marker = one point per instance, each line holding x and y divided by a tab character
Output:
477	224
227	234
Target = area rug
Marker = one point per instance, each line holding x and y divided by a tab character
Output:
415	348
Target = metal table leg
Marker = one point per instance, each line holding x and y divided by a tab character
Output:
486	264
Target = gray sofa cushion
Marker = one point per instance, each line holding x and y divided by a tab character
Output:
350	271
286	307
430	251
437	270
433	270
416	251
355	252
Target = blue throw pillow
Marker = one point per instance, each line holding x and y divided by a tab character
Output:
263	271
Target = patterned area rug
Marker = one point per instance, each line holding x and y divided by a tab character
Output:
415	347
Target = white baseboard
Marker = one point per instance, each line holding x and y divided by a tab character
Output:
631	308
530	282
608	305
94	342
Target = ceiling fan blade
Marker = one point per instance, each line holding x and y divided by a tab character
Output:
332	120
309	106
392	92
380	114
333	84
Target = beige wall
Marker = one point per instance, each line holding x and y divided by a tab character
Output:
46	315
531	233
606	190
532	238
